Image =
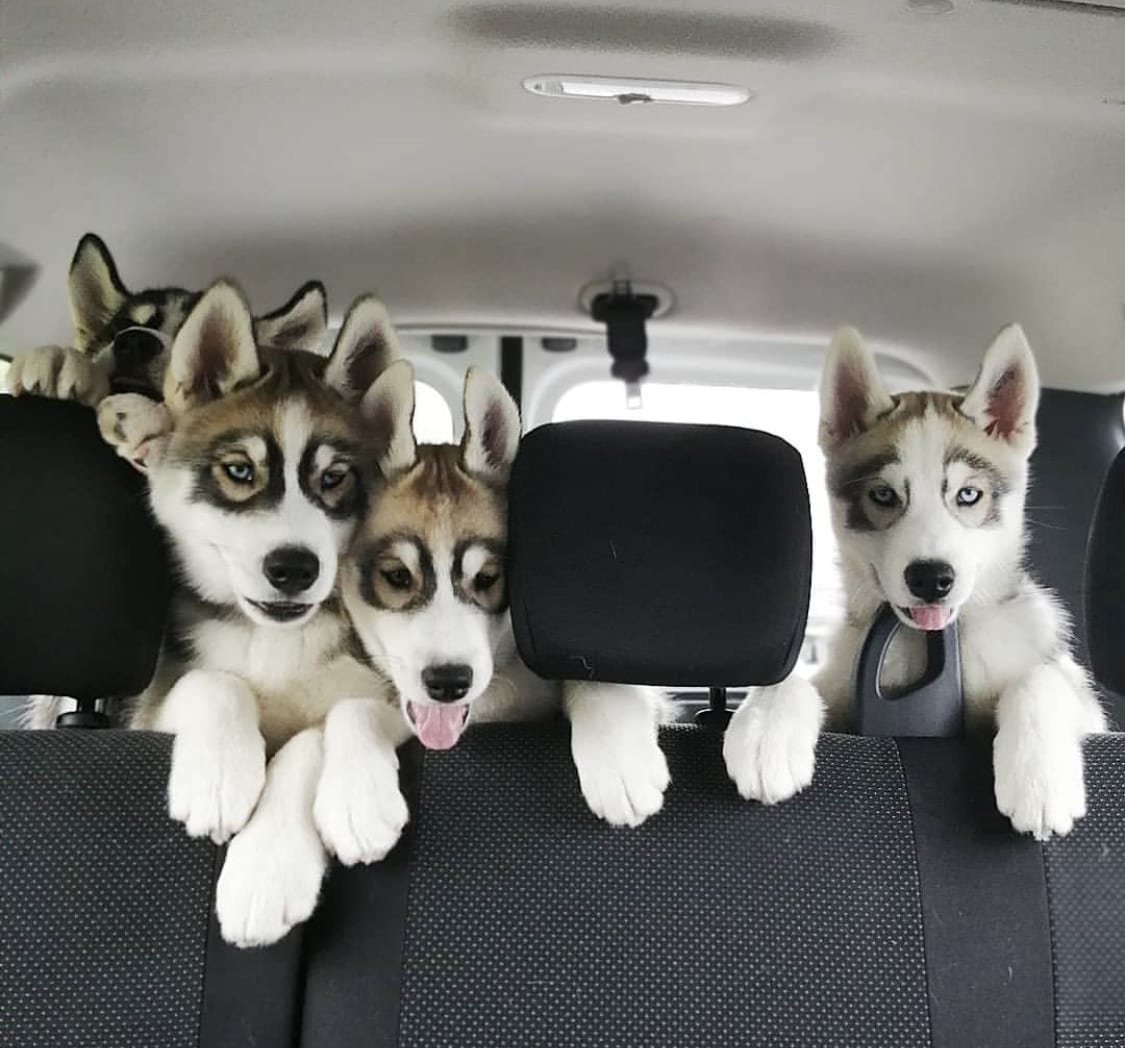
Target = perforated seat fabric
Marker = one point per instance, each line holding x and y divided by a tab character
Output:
890	905
104	901
1086	887
715	924
107	938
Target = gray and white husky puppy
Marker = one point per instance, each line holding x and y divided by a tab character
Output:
928	508
259	470
122	337
424	584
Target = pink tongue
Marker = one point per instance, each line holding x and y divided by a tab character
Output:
439	727
930	616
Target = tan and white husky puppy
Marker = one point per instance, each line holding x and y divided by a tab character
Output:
259	470
928	507
425	586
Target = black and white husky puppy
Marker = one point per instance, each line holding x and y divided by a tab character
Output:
425	586
122	337
259	470
928	496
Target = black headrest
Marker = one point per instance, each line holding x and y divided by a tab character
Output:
83	575
1105	581
643	553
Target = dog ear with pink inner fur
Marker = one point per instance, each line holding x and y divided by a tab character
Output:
852	396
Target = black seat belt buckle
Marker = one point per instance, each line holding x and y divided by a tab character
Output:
931	708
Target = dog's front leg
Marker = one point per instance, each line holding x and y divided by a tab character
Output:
359	810
1037	753
616	749
219	755
770	743
275	865
60	373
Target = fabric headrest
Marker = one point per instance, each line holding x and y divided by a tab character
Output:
83	572
1105	581
645	553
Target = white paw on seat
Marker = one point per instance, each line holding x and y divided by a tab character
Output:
359	810
274	867
621	769
770	742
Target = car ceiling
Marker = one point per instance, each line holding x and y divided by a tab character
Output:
927	176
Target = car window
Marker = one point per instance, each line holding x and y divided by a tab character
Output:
791	414
433	419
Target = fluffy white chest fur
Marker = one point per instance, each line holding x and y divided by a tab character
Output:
296	675
998	644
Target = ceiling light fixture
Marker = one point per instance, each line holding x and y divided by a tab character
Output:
930	7
629	91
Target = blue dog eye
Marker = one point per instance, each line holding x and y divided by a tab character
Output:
969	496
882	495
239	472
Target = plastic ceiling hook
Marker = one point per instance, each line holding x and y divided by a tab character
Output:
625	315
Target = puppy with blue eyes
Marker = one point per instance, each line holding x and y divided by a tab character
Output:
259	471
927	496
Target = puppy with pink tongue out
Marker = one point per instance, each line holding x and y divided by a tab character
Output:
424	586
927	493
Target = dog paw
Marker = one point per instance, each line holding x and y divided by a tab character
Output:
59	373
270	881
359	810
1039	782
621	768
215	781
770	744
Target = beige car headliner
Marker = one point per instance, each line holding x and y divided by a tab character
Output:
927	176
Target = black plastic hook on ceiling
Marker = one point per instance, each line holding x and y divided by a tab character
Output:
625	315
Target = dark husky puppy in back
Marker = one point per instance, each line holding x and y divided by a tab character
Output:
122	337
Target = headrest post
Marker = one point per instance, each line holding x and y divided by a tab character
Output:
89	714
716	715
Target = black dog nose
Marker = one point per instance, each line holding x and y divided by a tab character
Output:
135	348
448	682
929	580
291	569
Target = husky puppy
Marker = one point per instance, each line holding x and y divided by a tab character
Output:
121	337
425	586
928	506
258	471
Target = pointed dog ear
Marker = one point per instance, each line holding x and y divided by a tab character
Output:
299	324
214	350
1005	395
364	348
492	425
137	428
389	408
852	396
96	291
